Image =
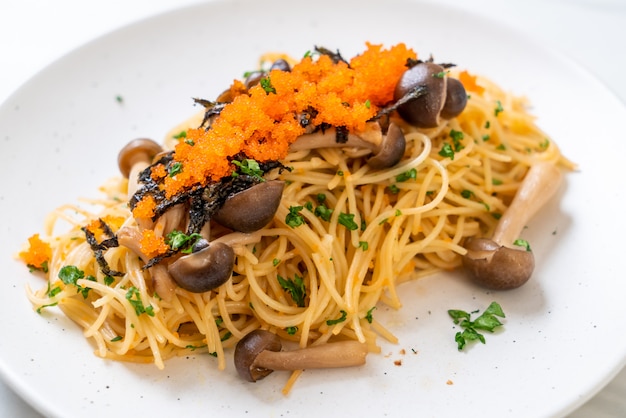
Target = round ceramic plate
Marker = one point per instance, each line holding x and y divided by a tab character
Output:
562	337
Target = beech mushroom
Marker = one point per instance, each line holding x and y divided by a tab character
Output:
259	353
134	158
387	149
444	97
251	209
162	282
205	269
495	263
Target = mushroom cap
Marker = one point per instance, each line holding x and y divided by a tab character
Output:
248	348
497	267
424	111
204	270
391	149
137	150
251	209
456	99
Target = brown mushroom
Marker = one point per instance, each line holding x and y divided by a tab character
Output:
438	101
259	353
162	282
495	263
208	268
134	158
387	149
251	209
456	99
141	150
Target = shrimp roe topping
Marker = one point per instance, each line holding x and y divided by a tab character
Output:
262	122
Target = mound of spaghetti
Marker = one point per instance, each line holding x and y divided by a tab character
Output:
295	203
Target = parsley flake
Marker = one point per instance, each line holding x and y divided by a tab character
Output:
488	321
293	218
295	288
347	220
342	318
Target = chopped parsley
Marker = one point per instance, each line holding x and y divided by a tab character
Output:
250	167
522	243
342	318
447	151
407	175
181	134
175	168
323	212
178	240
275	262
499	109
467	193
295	288
70	276
291	330
293	218
364	245
347	220
488	321
134	297
368	316
266	84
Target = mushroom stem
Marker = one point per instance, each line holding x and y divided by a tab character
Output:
387	149
539	185
493	263
331	355
259	353
162	282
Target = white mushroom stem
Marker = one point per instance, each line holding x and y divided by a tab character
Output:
331	355
539	185
371	139
162	282
133	177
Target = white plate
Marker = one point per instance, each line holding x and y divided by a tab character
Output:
563	337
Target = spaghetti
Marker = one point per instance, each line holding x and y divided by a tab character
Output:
343	237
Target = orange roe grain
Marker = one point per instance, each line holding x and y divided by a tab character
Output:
152	245
145	208
469	82
38	254
264	122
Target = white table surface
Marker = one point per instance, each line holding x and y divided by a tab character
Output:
33	33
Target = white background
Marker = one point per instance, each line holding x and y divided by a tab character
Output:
33	33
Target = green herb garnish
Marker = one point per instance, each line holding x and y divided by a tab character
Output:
488	321
266	84
178	240
347	220
499	109
134	297
175	168
407	175
250	167
293	218
295	288
323	212
522	243
342	318
447	151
